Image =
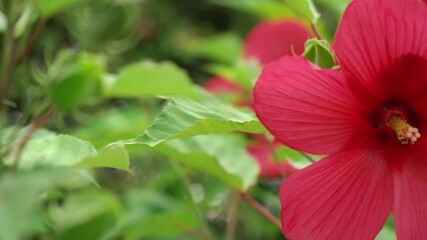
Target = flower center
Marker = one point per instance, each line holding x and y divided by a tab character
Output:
405	133
398	117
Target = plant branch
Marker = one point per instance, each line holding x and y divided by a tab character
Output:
315	32
31	41
38	123
262	210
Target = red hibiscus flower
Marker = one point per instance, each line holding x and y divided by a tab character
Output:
369	118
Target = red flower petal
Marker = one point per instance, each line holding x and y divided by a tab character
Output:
305	108
415	72
345	196
410	197
270	40
375	34
406	78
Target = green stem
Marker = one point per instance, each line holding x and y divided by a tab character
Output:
31	41
206	233
232	218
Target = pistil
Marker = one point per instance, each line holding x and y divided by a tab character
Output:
405	133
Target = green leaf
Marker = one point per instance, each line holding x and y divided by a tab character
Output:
319	53
112	125
14	133
305	9
224	48
388	231
112	157
25	19
185	118
20	199
3	22
224	157
49	7
74	77
88	215
60	150
295	157
151	79
91	27
68	151
338	6
263	8
168	225
153	214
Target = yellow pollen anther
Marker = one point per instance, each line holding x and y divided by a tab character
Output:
405	133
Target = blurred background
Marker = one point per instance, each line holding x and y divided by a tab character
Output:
90	151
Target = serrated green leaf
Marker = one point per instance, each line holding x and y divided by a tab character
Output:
49	7
111	157
68	151
56	151
151	79
185	118
112	125
319	53
224	157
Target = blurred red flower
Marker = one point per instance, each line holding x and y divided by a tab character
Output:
369	119
269	168
219	85
270	40
267	41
